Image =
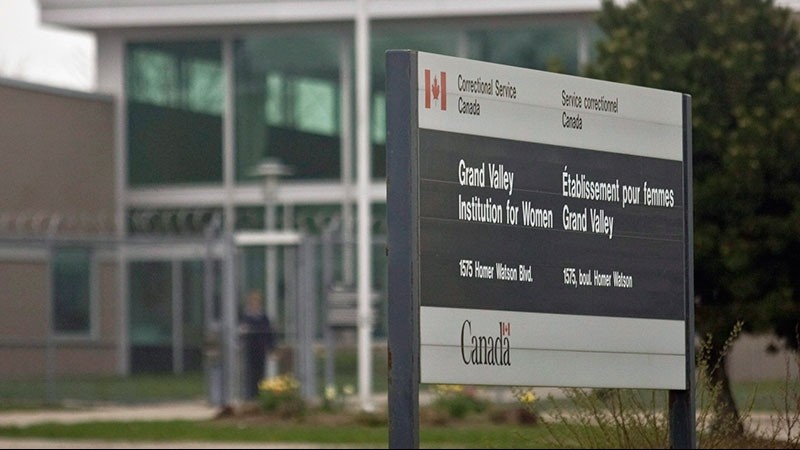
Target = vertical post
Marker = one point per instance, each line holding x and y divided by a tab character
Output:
346	141
123	303
271	170
682	404
271	263
404	368
292	277
229	344
228	135
177	317
49	349
306	319
229	319
211	338
289	275
110	75
327	285
209	308
364	222
300	321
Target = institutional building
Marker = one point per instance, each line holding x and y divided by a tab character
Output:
205	91
197	94
59	300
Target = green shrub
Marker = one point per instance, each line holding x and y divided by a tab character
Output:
458	401
281	395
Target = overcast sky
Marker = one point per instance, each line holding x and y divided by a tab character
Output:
43	54
58	57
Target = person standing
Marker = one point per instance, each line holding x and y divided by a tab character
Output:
258	342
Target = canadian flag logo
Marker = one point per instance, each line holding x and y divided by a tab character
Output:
436	90
505	329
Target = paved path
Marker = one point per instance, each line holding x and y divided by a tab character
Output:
188	410
92	444
170	411
128	413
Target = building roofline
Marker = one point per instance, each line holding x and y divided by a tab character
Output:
53	90
97	15
112	14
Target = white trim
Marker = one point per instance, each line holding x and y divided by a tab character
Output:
221	13
20	254
289	192
97	14
268	238
168	252
390	9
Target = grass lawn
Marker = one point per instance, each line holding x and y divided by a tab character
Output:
474	431
495	427
38	391
765	395
465	435
146	388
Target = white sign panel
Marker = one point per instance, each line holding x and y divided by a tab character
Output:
552	229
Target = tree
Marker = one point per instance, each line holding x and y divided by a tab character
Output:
740	62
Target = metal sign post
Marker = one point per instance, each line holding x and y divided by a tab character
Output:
402	250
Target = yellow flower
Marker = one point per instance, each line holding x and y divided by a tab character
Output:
279	384
527	397
330	392
444	389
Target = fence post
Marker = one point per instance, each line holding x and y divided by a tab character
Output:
327	283
49	351
306	320
229	319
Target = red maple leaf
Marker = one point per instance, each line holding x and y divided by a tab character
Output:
435	88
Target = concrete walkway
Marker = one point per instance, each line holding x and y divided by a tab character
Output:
166	411
193	410
92	444
128	413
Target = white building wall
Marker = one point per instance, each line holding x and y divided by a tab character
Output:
749	360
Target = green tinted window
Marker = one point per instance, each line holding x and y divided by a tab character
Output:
287	104
72	290
175	103
151	303
150	315
441	42
552	46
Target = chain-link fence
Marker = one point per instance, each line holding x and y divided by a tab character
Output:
90	315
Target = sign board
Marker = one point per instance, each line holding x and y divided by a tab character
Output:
548	226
